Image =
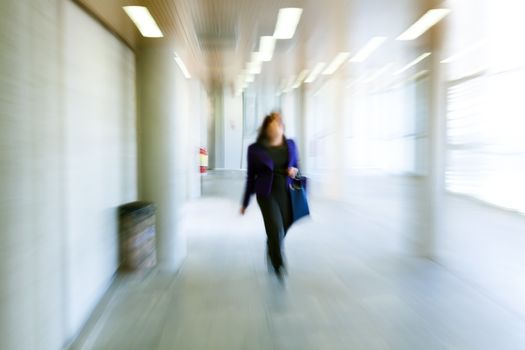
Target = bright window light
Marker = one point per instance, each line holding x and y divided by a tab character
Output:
485	110
427	21
372	45
287	22
142	18
465	52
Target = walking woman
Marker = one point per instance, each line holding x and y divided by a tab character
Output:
272	163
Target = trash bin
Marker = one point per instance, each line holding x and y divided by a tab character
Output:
137	248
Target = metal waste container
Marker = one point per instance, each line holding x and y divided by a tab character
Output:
137	248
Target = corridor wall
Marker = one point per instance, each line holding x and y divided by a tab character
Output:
67	160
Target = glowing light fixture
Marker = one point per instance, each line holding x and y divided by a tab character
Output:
287	22
315	72
336	63
182	66
372	45
142	18
427	21
254	68
413	63
378	73
300	79
266	47
256	57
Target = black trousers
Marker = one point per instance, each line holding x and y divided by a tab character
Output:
277	214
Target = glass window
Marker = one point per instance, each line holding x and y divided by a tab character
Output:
486	112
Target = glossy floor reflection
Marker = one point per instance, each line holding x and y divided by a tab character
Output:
345	290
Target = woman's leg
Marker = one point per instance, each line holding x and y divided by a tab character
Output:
274	226
285	207
282	197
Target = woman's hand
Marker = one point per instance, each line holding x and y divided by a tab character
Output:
292	172
243	210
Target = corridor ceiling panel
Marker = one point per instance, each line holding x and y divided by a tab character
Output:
216	38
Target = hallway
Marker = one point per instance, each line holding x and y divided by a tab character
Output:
407	117
346	289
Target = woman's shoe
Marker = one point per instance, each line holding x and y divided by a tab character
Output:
280	275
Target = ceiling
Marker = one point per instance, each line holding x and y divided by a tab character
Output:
215	38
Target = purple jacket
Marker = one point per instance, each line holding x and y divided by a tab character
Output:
259	177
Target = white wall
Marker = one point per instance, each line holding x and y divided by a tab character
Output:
100	153
197	114
289	113
215	128
67	160
225	129
233	126
258	102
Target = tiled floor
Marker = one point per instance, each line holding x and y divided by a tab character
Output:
345	290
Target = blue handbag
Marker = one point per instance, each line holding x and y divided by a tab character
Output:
298	198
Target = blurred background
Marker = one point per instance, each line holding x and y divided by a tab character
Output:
410	121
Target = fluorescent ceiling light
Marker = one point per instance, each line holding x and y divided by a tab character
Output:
367	50
336	63
300	78
378	73
266	47
315	72
418	75
290	85
182	67
254	68
464	52
242	80
287	22
256	56
240	83
413	63
363	78
144	21
302	75
428	20
409	79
